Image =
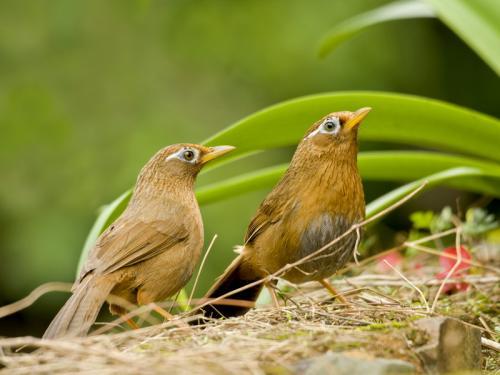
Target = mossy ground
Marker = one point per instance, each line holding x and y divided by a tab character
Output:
377	324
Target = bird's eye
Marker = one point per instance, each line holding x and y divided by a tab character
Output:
188	155
331	125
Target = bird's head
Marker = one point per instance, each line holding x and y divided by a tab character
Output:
180	162
335	133
191	157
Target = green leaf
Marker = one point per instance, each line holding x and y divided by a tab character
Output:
374	166
260	179
395	118
422	219
393	196
477	22
443	221
398	10
183	300
406	166
478	221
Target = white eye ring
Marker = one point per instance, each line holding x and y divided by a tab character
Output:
330	126
185	154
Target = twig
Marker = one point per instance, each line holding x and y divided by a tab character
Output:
33	296
201	268
452	270
131	314
64	346
396	248
422	296
228	302
490	344
428	250
379	280
356	244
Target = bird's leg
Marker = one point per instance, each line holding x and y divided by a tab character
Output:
168	317
164	313
326	284
270	288
130	322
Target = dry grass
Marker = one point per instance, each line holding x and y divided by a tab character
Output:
267	339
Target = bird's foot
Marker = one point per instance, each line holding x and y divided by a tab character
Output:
164	313
274	297
169	317
326	284
130	322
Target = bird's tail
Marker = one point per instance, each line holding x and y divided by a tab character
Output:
81	310
234	277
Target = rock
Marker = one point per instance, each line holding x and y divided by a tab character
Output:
452	346
346	364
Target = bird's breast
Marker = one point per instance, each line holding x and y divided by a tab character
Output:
318	232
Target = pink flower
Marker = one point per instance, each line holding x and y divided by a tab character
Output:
394	258
447	265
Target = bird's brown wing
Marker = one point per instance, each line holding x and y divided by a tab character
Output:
129	241
271	211
260	221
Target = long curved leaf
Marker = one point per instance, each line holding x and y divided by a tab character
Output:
395	118
374	166
404	166
393	196
477	22
398	10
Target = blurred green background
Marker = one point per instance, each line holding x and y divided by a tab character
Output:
89	90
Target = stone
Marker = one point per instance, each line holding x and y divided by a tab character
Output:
348	364
451	347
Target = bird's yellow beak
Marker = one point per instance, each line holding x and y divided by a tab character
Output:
356	119
215	152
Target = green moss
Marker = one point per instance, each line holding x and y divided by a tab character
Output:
417	337
383	326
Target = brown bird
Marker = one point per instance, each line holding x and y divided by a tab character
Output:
149	253
318	199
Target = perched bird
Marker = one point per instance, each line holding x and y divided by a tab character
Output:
149	253
318	199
